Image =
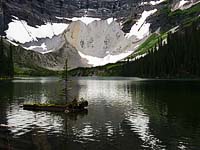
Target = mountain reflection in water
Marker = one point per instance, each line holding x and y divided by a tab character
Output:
123	113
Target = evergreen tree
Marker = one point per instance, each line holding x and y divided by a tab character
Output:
11	64
6	60
2	58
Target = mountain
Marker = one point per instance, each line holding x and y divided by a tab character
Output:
178	56
88	33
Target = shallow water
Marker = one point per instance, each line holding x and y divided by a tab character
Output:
123	113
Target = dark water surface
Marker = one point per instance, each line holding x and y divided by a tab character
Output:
123	114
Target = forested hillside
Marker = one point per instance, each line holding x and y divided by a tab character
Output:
6	61
179	56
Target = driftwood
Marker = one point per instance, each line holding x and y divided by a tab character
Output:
70	107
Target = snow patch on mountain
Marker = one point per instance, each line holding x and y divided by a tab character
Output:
20	31
42	46
13	43
141	29
46	45
183	4
152	2
110	20
96	61
86	20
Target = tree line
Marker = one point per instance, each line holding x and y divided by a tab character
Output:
6	60
179	56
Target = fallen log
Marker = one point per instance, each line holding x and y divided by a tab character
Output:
70	107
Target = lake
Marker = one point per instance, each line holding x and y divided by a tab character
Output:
123	114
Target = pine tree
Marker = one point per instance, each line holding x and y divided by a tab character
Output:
6	61
11	64
66	79
2	58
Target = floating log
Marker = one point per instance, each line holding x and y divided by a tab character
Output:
70	107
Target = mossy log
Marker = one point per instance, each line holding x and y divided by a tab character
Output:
70	107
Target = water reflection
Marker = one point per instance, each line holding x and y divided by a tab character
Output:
172	108
138	119
123	113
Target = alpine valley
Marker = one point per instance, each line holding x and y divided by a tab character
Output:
88	33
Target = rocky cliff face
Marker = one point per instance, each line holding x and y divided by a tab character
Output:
36	12
107	38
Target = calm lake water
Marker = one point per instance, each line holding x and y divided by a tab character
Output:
123	114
